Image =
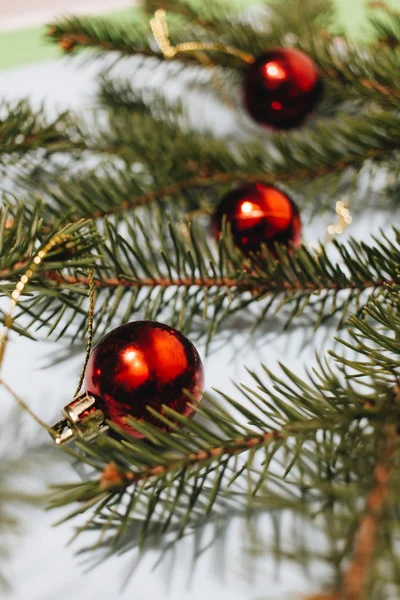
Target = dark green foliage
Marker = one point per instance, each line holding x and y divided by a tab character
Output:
386	23
22	235
154	269
193	170
283	437
23	130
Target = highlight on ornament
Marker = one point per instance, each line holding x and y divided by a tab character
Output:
138	365
281	88
259	214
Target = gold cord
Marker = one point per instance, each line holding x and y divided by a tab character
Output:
90	330
8	321
19	288
159	28
22	283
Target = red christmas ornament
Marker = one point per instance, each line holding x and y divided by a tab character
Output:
282	87
258	214
141	364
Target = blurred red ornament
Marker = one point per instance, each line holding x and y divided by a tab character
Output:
259	214
141	364
282	87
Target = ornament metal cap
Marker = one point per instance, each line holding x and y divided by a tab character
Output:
82	419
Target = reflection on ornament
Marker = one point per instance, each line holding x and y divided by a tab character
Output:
274	70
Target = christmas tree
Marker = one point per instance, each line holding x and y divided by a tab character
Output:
148	208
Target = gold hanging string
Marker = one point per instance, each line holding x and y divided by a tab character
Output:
159	28
19	288
90	329
22	283
8	321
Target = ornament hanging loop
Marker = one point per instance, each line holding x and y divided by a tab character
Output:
90	330
82	419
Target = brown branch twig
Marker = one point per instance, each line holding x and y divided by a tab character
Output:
355	578
112	472
218	178
245	284
249	284
68	41
358	571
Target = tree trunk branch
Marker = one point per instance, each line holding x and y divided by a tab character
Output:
356	575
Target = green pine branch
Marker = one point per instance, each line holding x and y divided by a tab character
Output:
386	24
326	424
197	21
157	270
359	72
193	170
102	35
23	130
315	446
22	235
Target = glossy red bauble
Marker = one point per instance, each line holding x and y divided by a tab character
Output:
259	214
281	88
141	364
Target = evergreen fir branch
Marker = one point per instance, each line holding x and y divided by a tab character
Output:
180	166
357	575
136	40
154	272
177	479
363	73
208	22
324	444
119	93
202	466
22	233
386	24
368	75
23	130
21	236
102	35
